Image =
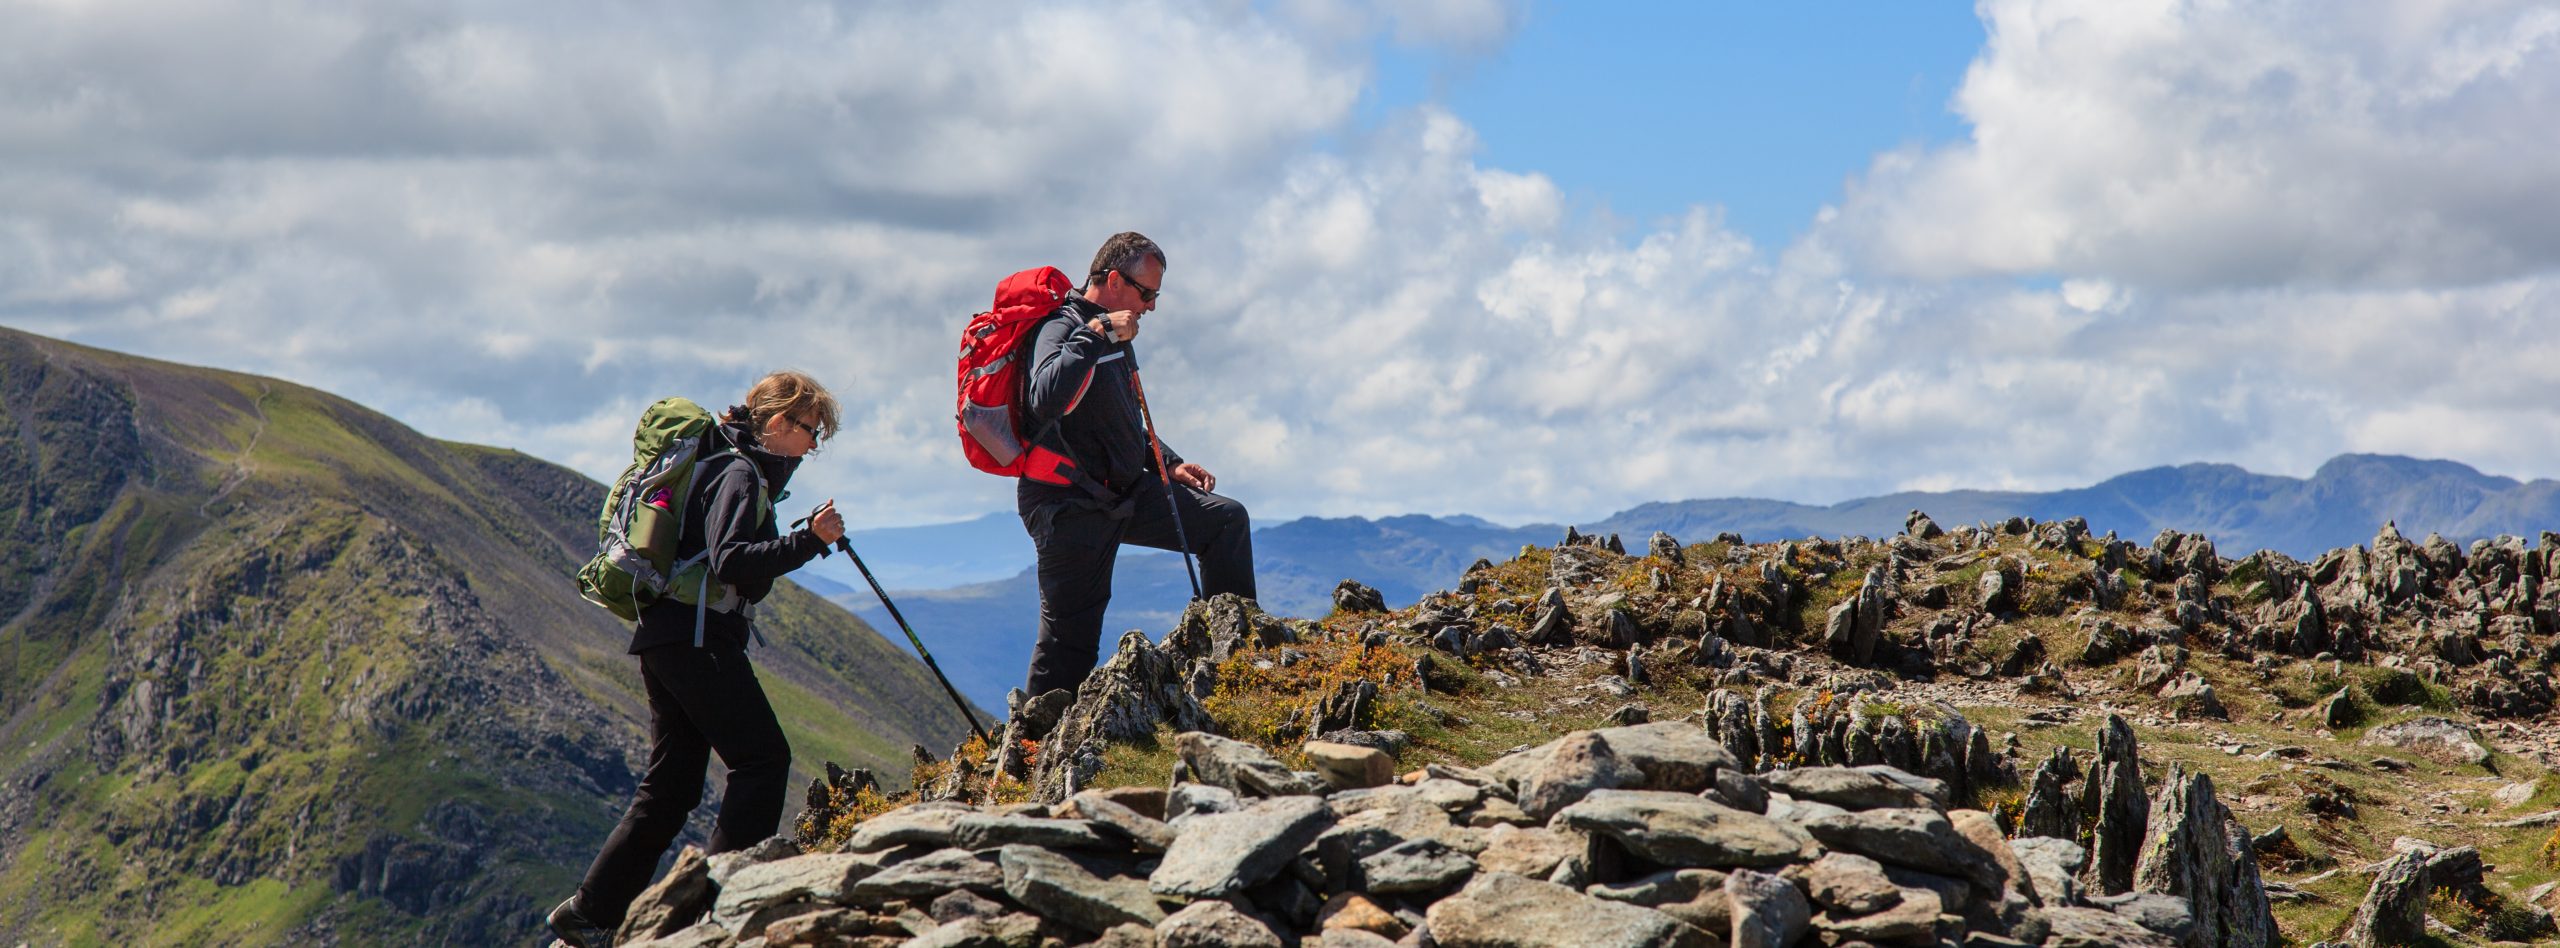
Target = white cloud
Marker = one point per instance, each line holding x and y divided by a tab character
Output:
514	225
2180	144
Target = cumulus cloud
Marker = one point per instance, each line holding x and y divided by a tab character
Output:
2205	145
509	223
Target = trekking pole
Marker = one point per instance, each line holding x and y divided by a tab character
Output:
847	546
1180	537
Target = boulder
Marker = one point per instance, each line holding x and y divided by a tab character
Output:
1768	911
1858	788
1677	829
828	877
2053	865
1921	839
2439	739
1353	911
1058	887
1670	756
1415	866
1534	853
1114	819
923	824
990	832
1500	910
2189	695
1246	769
1850	884
1214	924
1346	767
1220	855
928	876
1694	896
2096	928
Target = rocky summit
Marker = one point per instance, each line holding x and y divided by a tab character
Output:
2013	733
1674	842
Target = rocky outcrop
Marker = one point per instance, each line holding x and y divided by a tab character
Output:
1651	843
2196	850
2114	795
1137	689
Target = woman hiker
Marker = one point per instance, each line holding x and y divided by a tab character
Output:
705	699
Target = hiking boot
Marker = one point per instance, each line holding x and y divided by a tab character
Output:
574	929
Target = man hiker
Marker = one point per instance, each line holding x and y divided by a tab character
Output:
703	693
1082	376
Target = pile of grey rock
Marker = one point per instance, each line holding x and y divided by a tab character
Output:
1646	835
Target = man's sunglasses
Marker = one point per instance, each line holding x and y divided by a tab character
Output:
1146	294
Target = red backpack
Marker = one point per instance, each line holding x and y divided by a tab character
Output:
992	351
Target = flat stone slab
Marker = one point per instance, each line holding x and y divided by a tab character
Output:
828	877
1921	839
1858	788
1062	889
1221	854
1500	910
1214	924
996	832
1420	865
923	824
1678	829
930	875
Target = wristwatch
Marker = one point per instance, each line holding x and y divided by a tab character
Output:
1102	327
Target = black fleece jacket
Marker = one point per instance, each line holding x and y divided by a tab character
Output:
1081	380
748	552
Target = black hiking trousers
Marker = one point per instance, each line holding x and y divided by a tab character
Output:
1079	545
701	700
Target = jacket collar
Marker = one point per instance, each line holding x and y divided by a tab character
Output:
776	469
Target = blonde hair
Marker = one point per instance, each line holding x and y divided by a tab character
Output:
788	392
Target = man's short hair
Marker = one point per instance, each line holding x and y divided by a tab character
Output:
1122	252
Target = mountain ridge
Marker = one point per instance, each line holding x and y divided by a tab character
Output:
991	624
277	668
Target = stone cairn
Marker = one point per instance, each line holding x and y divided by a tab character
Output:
1645	835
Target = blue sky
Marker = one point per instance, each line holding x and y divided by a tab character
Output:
1528	261
1647	109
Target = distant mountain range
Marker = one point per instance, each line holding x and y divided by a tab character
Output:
276	669
981	632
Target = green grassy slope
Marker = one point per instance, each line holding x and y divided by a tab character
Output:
276	668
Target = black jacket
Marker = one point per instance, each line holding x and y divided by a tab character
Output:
1080	380
747	552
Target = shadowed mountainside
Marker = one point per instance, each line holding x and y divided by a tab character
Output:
276	668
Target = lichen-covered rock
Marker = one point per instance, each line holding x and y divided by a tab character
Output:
2196	850
2122	809
2394	911
1220	855
1140	688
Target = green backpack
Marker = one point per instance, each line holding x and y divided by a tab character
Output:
643	519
